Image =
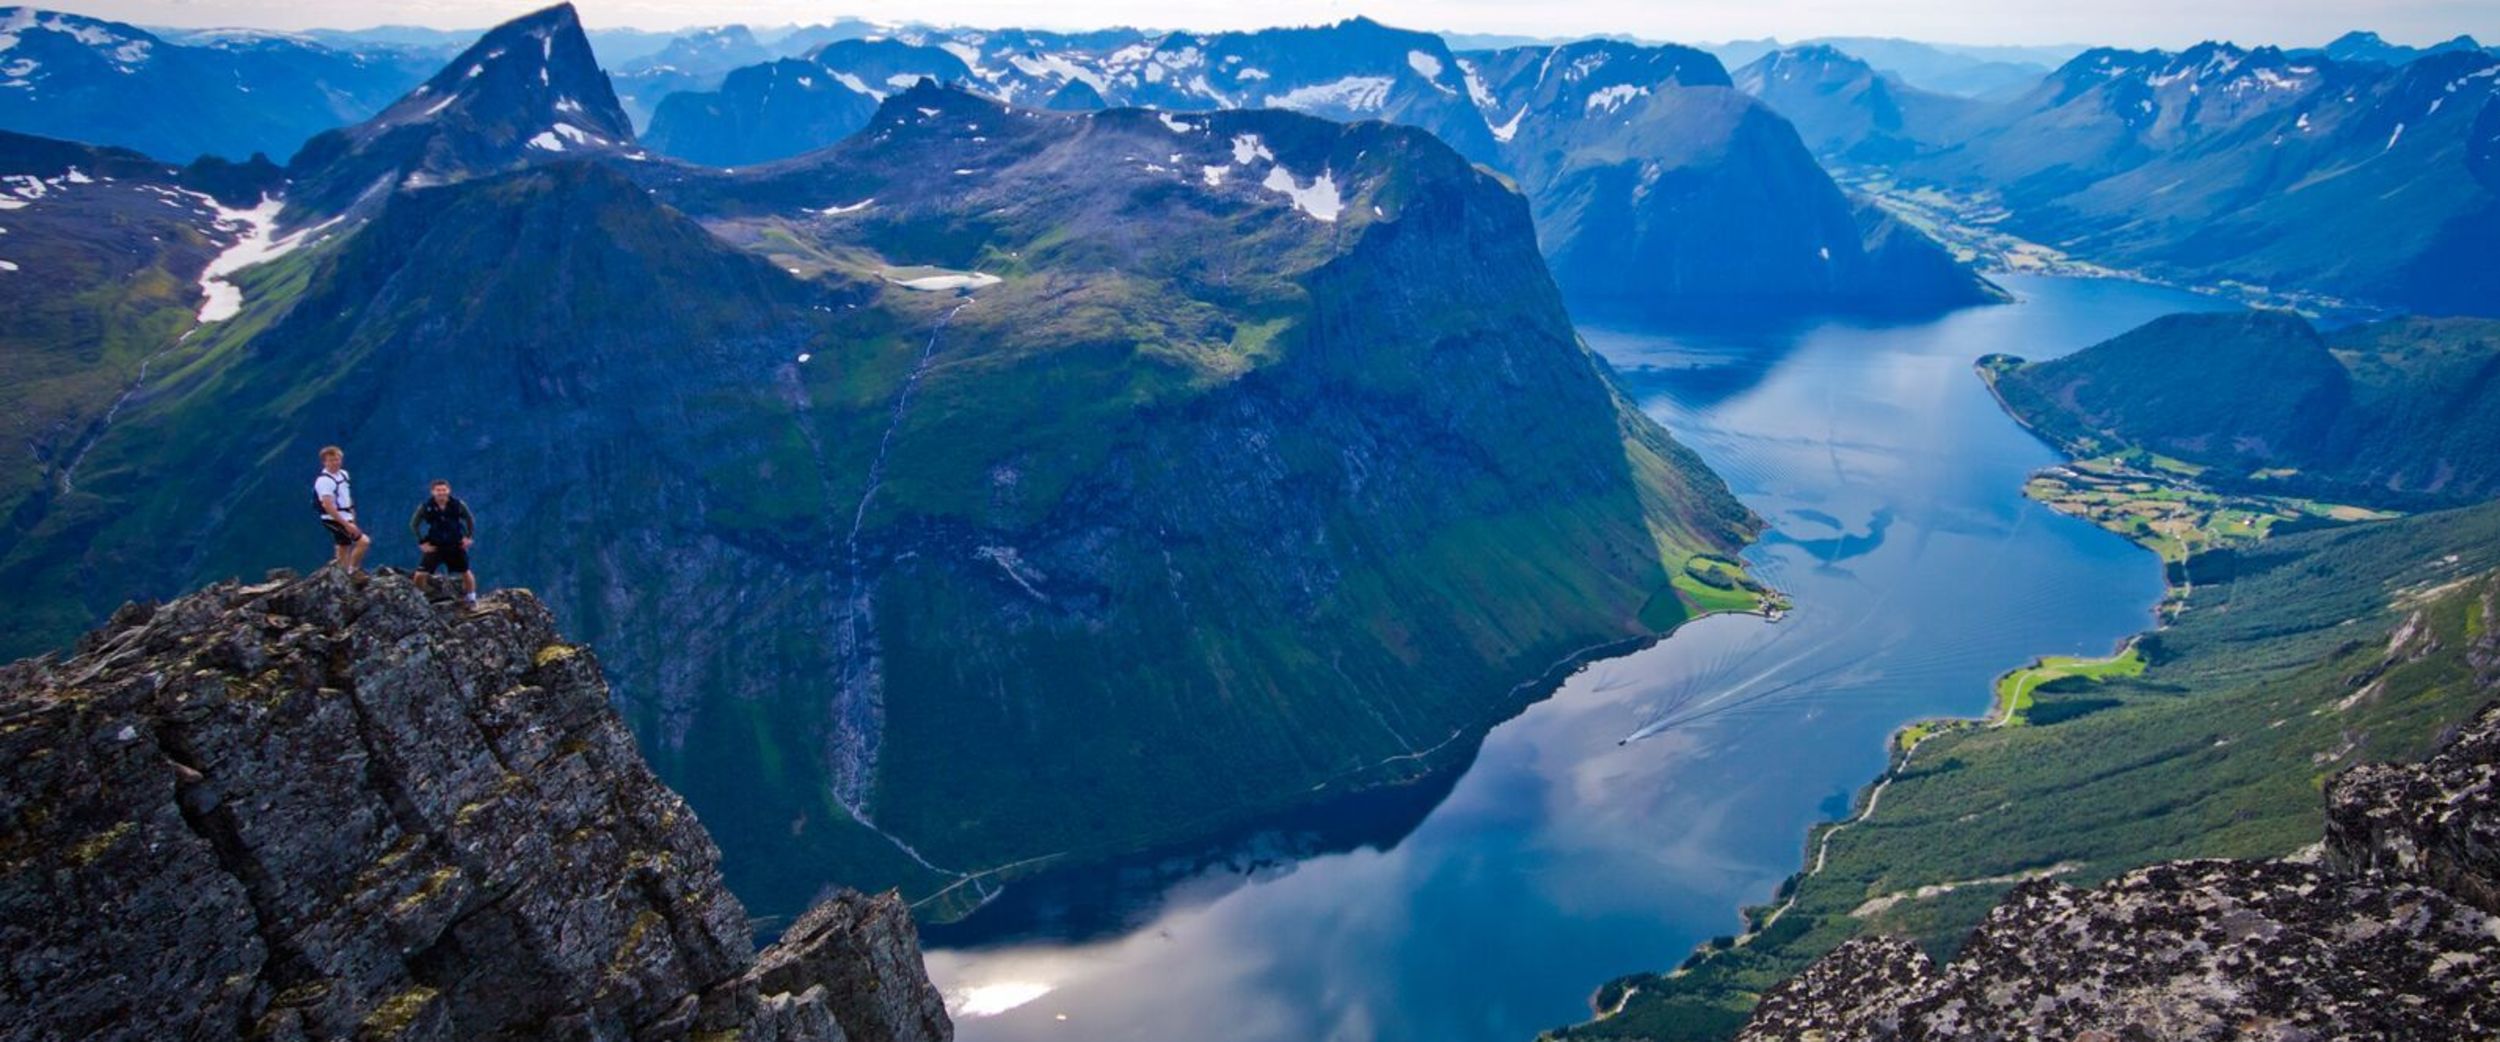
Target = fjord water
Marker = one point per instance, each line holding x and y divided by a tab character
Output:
1617	824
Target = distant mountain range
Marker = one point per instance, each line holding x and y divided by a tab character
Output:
231	93
2404	413
1961	70
2353	180
1847	110
2364	46
2285	172
1656	186
997	488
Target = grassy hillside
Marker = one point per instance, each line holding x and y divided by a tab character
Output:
1209	505
2295	658
2403	413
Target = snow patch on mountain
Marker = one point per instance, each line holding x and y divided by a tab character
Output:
1319	198
256	243
1510	129
1476	90
1247	147
1058	68
853	82
1352	94
1606	101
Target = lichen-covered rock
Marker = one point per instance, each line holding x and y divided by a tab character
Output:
2181	950
2395	936
329	808
2436	823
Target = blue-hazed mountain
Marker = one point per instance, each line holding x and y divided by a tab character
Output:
2352	179
803	40
1658	186
1961	70
2402	413
1848	111
697	60
763	112
2365	46
230	93
807	102
998	488
527	90
1746	219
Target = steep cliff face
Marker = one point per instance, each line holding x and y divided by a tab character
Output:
1231	461
2393	934
326	807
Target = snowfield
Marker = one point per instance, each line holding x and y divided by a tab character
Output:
1352	94
1319	199
257	245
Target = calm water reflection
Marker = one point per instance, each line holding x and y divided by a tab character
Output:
1567	855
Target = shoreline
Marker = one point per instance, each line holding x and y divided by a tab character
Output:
1901	745
1201	849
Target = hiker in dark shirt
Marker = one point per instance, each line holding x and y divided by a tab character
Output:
444	528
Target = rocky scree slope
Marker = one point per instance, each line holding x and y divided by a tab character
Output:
2393	934
325	807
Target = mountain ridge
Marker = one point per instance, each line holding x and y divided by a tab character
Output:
2391	413
1583	127
871	472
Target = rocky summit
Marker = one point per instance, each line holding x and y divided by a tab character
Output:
329	808
2393	932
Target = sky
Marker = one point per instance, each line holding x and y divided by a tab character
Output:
2133	23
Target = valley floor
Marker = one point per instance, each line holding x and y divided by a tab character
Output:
1975	227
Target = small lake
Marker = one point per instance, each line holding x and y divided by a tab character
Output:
1610	828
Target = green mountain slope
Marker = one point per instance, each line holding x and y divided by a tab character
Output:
1271	469
2403	413
2296	658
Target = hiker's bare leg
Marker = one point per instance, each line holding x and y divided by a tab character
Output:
356	554
469	580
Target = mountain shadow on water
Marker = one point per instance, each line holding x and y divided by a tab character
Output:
1098	901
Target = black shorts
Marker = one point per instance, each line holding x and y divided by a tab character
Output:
453	558
338	532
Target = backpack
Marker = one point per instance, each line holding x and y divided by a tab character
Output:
346	496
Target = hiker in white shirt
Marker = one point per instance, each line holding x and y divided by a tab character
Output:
338	510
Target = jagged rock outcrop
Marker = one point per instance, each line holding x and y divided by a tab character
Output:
328	808
2436	823
2393	934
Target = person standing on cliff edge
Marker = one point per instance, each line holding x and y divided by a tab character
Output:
337	504
444	528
